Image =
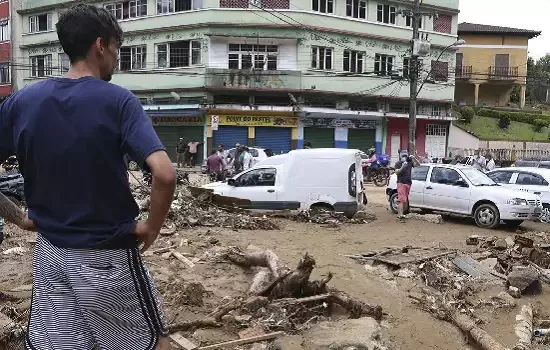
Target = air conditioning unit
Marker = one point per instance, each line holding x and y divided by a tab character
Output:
421	48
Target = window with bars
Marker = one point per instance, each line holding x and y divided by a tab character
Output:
324	6
127	9
436	129
40	23
353	61
440	71
64	63
175	54
4	30
321	58
41	66
409	21
170	6
4	73
383	64
436	111
132	57
386	14
248	56
443	24
356	8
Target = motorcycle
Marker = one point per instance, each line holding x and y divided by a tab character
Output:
377	173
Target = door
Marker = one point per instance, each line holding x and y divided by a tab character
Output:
436	140
196	133
532	183
168	135
276	139
395	147
258	186
443	193
319	137
228	136
361	139
459	63
419	175
502	64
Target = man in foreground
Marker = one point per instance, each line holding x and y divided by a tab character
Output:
404	181
91	288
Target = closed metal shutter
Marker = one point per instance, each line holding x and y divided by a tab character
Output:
168	135
319	137
230	135
276	139
193	133
361	139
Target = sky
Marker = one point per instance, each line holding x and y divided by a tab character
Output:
524	14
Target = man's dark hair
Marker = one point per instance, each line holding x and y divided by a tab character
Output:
213	152
79	27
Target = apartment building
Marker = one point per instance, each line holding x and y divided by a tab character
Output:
270	73
492	62
5	50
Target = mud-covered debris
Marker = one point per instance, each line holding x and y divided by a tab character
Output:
364	215
15	251
328	217
527	280
431	218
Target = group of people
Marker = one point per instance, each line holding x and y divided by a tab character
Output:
186	153
218	163
483	163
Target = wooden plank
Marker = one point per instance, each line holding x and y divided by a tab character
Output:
243	341
183	259
418	259
292	301
474	268
183	342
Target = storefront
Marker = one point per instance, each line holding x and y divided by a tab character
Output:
171	125
324	132
431	137
265	129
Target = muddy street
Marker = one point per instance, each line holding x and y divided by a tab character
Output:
404	325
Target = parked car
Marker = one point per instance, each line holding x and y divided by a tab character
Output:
258	154
461	189
291	182
524	163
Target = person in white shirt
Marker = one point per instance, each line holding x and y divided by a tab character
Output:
246	159
490	163
479	161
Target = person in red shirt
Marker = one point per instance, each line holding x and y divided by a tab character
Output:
216	165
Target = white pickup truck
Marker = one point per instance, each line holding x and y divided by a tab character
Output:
461	189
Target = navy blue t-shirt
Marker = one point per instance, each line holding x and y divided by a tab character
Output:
70	137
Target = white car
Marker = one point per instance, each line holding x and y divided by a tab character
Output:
461	189
258	154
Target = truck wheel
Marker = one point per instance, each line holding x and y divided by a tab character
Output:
487	216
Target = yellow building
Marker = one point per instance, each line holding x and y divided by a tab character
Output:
490	64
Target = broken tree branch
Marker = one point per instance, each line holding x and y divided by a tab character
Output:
264	259
524	328
187	325
482	338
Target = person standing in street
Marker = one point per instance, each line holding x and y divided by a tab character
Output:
490	163
181	150
404	181
479	161
246	159
216	165
193	149
91	289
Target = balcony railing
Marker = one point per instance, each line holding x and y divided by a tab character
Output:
503	73
253	79
463	72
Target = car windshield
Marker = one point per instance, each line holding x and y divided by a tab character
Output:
477	178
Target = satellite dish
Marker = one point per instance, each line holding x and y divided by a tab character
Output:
175	95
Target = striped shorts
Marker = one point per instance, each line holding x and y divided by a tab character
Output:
92	299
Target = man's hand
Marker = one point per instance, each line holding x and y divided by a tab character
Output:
146	234
27	224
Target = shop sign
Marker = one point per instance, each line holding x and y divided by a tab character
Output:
250	120
176	121
339	123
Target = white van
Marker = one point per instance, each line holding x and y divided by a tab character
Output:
300	180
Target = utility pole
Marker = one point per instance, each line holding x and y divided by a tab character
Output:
416	16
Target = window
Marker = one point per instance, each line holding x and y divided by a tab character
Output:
324	6
406	67
440	71
444	176
132	57
501	177
248	56
356	8
409	22
353	61
4	30
257	177
383	64
41	66
436	111
64	63
128	9
169	6
443	24
179	54
531	180
420	173
40	23
321	58
4	73
386	14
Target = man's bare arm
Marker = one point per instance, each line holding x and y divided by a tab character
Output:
10	211
162	190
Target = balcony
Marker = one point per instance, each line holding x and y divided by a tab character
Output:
463	72
503	73
252	79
